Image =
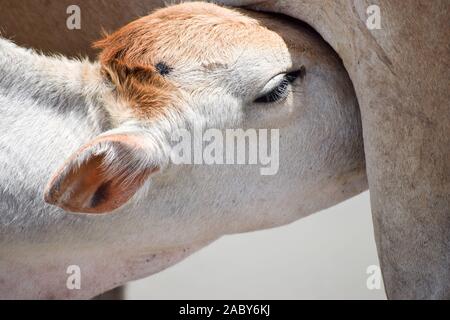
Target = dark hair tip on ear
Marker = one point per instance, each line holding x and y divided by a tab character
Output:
101	195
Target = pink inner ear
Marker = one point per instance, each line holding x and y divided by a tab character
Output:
90	188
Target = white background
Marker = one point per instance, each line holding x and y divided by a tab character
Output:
324	256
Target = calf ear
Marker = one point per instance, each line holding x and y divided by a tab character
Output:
102	175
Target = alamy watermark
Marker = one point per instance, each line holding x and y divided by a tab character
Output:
374	280
73	21
229	147
74	279
373	21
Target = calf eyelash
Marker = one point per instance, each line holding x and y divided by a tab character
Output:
281	90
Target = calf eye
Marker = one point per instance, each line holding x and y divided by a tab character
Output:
281	90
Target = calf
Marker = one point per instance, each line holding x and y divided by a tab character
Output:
97	139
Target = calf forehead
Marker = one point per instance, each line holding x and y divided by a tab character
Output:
203	42
192	35
181	47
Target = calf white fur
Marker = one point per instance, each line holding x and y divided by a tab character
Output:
93	139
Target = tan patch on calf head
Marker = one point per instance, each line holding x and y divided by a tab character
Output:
200	34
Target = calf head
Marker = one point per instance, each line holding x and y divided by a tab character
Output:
198	65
